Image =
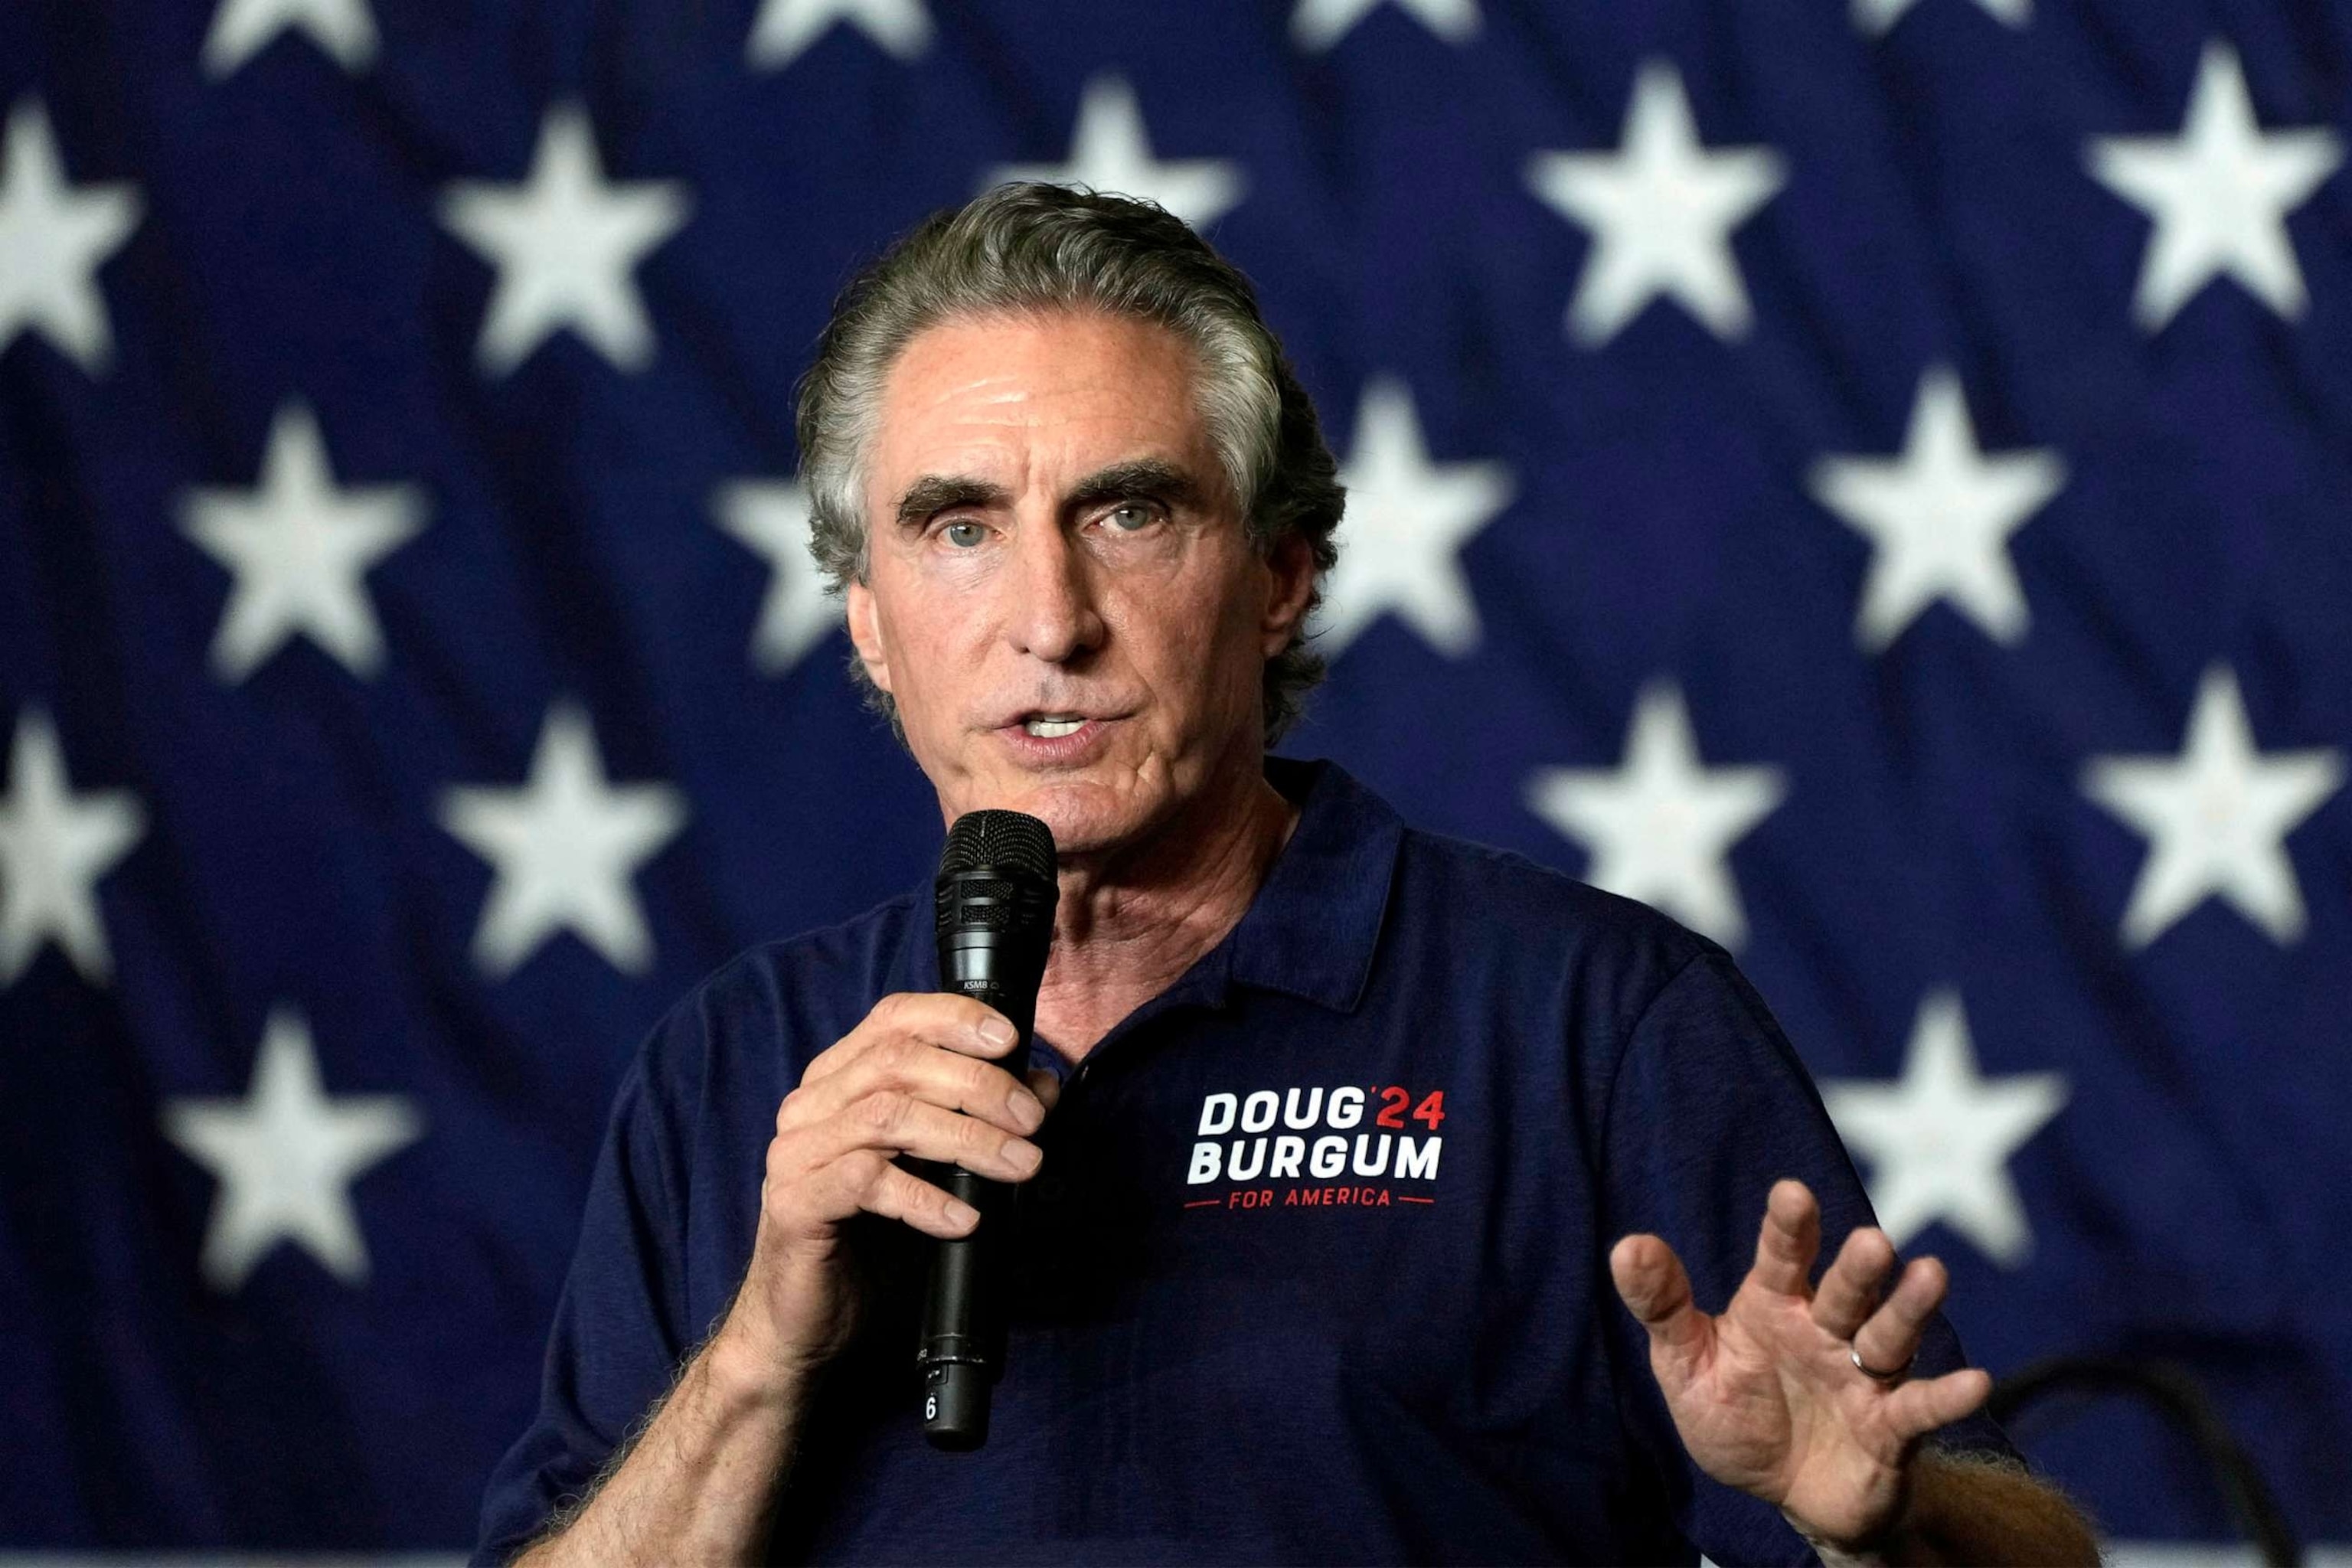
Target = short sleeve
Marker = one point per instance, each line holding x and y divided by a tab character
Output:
1710	1107
617	1337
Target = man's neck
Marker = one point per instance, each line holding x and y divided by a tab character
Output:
1124	933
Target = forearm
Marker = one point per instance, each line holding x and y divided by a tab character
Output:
1984	1512
699	1483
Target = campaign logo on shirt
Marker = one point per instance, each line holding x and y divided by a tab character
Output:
1329	1148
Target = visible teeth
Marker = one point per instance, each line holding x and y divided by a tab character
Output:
1049	728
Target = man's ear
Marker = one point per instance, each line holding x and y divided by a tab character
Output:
865	633
1290	578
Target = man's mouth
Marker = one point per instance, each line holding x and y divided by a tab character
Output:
1046	726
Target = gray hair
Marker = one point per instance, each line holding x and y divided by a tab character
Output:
1032	249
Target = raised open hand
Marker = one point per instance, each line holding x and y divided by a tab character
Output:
1771	1397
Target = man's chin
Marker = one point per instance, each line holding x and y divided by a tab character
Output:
1086	819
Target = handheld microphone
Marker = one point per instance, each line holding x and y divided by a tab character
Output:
995	899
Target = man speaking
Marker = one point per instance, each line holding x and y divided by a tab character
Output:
1374	1187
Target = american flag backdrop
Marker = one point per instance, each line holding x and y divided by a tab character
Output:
1872	478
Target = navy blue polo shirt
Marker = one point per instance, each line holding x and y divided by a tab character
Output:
1316	1266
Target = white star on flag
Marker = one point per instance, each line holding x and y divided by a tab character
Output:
785	28
566	243
1940	518
772	520
1317	25
298	547
52	238
285	1156
1659	826
241	29
2216	817
54	847
1110	150
1877	15
1939	1139
564	846
1407	521
2219	193
1661	210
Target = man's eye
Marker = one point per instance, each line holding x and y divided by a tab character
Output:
962	535
1133	517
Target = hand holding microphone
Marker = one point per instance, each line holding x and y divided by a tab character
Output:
924	1076
994	903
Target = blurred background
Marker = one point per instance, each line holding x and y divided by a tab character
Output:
1874	480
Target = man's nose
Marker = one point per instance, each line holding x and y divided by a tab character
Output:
1052	615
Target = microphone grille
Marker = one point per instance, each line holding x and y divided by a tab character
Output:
1010	840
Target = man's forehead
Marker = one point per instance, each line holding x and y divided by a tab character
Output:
1008	400
1001	365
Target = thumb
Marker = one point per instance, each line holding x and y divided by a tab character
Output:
1651	1282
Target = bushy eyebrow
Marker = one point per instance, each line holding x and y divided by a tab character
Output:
1140	479
937	492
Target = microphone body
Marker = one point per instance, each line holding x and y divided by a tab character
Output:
995	895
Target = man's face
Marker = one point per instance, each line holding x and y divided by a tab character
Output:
1052	538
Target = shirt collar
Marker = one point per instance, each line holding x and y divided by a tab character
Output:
1313	926
1311	929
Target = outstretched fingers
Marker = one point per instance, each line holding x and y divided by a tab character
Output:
1891	1336
1789	1240
1849	1289
1651	1283
1918	1408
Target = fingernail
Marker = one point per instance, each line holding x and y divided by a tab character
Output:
1024	1157
1026	1110
961	1213
998	1033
